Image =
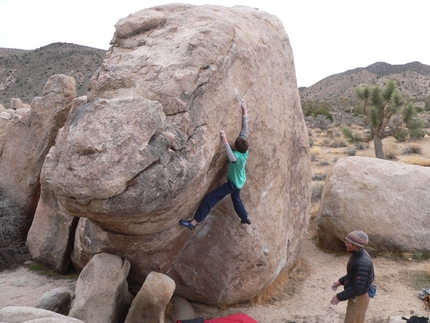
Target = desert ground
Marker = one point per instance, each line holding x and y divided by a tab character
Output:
304	296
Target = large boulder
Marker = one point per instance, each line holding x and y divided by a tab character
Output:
388	200
146	148
50	220
25	142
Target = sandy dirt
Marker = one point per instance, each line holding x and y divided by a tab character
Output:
304	299
23	287
308	293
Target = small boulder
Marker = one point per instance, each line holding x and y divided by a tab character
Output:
3	121
5	114
57	300
21	111
150	303
181	309
11	113
16	103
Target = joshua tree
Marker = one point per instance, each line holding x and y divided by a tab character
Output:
379	106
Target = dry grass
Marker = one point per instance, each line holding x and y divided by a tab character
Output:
427	269
333	142
421	279
324	157
12	246
391	151
414	153
315	150
366	153
274	290
314	210
317	187
416	160
412	148
283	285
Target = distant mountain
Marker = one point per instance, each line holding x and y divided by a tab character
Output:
413	81
23	73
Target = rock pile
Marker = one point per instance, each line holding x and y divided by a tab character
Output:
102	296
17	110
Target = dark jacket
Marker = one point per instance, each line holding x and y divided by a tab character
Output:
359	276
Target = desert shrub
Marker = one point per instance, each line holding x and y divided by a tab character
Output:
412	148
317	188
334	143
319	177
315	151
324	163
323	111
331	133
415	127
415	148
391	152
402	135
415	130
315	108
11	244
350	151
321	121
361	146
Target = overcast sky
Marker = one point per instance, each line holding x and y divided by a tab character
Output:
327	36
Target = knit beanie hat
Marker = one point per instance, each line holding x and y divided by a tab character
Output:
359	238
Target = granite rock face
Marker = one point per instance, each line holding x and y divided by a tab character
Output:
145	149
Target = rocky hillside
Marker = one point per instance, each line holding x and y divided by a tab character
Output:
413	80
23	73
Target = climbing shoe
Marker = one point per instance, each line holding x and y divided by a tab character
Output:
187	224
247	221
